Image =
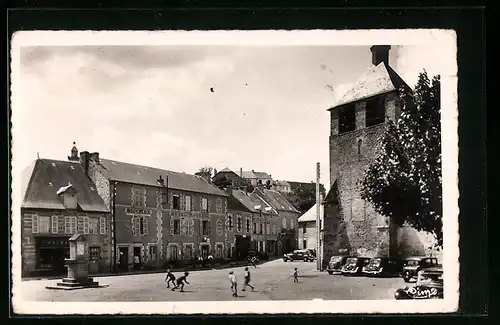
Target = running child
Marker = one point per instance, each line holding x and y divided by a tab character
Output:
247	279
234	283
181	281
295	275
170	278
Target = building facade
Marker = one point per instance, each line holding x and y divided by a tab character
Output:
307	231
159	217
257	178
60	201
282	187
352	225
287	218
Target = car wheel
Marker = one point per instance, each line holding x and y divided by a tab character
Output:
407	276
330	272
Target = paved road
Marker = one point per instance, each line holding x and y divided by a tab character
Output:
272	281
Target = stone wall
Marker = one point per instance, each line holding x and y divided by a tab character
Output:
310	236
28	243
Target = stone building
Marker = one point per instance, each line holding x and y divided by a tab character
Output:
257	178
351	224
282	187
287	222
158	216
59	200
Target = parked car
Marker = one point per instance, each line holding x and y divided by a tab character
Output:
383	266
298	255
354	265
414	264
335	264
429	285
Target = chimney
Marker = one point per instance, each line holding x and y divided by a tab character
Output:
94	156
241	172
380	53
229	190
84	161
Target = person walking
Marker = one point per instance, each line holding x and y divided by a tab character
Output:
247	279
253	261
295	275
234	283
170	278
181	281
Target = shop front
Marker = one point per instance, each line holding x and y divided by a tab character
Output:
51	253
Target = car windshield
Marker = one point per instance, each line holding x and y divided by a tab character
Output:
375	262
412	263
351	261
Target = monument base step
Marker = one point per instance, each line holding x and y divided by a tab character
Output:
63	286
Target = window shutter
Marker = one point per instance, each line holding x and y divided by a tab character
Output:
133	226
146	225
67	225
171	226
55	225
80	225
209	228
183	227
201	226
102	225
137	226
86	225
34	224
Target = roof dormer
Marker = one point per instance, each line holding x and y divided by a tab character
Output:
68	196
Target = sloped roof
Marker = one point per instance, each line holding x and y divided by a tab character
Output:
138	174
279	201
377	80
282	183
260	200
48	176
225	170
245	199
310	215
253	174
275	199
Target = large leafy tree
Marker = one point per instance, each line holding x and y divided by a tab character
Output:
404	182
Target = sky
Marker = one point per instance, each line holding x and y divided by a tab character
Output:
185	107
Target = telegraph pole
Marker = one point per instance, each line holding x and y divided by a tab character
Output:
318	221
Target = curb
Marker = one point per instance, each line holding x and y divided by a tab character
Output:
102	275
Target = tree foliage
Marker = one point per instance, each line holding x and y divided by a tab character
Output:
304	197
238	183
404	182
207	170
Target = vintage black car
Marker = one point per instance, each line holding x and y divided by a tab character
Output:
335	264
413	265
429	285
354	265
383	266
299	255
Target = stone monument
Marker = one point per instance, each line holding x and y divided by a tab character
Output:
78	267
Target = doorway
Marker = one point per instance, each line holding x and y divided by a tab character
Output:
123	261
137	258
204	252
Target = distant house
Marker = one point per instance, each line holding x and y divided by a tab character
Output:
267	226
282	187
225	174
257	178
60	200
307	228
288	216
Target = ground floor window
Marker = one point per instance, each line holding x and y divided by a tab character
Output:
51	254
173	252
153	252
94	253
218	250
188	252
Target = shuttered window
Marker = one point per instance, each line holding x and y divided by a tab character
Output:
55	224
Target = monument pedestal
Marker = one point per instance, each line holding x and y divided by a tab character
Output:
78	268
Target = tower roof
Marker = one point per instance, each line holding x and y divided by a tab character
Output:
379	79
